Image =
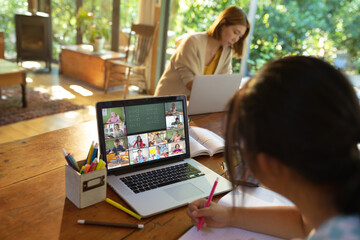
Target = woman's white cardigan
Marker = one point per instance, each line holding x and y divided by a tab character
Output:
188	61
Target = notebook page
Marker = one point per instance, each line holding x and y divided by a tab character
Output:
224	233
207	138
253	197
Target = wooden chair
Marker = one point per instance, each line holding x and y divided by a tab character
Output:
132	70
123	42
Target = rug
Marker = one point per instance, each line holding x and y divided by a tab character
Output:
38	105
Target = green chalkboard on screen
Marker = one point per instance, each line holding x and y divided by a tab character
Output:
145	118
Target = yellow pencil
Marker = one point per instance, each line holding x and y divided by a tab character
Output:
90	152
117	205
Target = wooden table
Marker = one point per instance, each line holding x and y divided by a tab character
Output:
81	63
12	74
32	190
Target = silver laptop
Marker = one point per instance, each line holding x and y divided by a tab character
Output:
145	143
211	93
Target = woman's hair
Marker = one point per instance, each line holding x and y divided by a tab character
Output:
232	16
305	113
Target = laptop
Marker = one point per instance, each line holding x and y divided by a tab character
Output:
211	93
145	144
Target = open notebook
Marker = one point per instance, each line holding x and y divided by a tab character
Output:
145	143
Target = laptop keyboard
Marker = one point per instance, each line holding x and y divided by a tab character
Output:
161	177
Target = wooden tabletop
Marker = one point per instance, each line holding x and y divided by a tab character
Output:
7	67
32	190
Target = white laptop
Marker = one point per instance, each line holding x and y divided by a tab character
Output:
136	140
211	93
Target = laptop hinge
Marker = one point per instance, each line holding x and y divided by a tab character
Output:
135	168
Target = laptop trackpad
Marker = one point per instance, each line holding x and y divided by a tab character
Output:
183	191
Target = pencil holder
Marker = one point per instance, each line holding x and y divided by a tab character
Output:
85	189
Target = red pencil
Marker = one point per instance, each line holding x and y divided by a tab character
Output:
208	203
92	166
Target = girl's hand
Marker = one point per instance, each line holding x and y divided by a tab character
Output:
215	215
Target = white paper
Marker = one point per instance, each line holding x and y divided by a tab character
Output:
224	233
253	197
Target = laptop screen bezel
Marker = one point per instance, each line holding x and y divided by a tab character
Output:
141	101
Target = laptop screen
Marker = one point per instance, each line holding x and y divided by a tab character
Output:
139	132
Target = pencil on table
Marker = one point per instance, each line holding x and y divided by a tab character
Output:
110	224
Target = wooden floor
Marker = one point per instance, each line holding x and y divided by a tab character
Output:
61	87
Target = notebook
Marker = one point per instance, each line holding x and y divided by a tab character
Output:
243	196
147	138
211	93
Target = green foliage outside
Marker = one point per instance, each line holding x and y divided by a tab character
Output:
8	9
63	24
64	21
92	27
99	24
321	28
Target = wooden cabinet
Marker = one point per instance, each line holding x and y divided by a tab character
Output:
81	63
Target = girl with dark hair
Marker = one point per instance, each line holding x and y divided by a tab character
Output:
177	149
296	126
139	142
205	53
